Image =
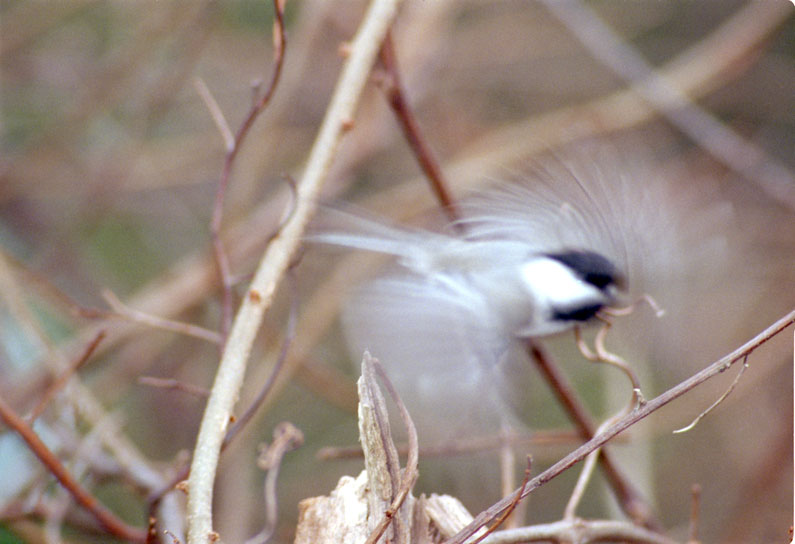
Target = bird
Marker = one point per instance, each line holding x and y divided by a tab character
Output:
545	249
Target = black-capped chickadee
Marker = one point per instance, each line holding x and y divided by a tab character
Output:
515	290
537	254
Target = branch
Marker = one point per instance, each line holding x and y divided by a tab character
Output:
579	530
221	258
63	379
630	419
245	418
105	517
277	257
156	322
393	89
629	499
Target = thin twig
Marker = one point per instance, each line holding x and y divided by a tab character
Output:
176	385
286	437
267	387
222	259
579	530
105	517
569	513
63	379
517	498
629	498
695	509
714	405
721	365
272	266
159	322
392	86
601	355
215	112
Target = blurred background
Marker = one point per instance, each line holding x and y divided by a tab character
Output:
109	162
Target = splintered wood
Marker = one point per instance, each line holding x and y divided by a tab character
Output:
361	509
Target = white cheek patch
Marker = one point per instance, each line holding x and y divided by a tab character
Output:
551	281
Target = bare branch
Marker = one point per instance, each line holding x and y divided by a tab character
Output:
255	405
630	419
158	322
629	498
396	96
63	379
222	259
168	383
272	266
105	517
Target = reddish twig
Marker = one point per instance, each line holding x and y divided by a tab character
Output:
105	517
627	421
517	498
221	258
393	89
695	508
63	379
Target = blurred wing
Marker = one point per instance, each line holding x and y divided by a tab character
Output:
617	203
354	228
439	345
